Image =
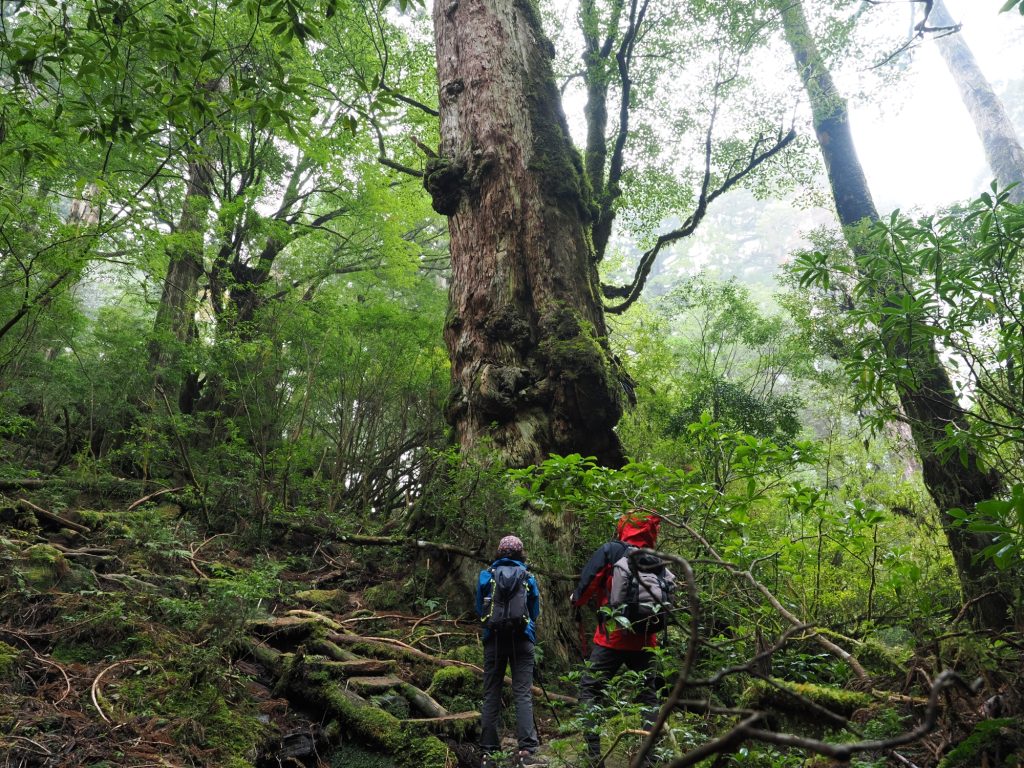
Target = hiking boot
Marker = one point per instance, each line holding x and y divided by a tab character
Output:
528	759
488	761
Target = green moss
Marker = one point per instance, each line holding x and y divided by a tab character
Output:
429	752
456	688
876	656
763	695
93	518
366	722
386	596
470	654
198	713
1000	739
452	681
570	347
8	657
555	159
42	567
334	599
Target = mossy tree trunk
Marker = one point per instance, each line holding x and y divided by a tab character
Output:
531	370
930	403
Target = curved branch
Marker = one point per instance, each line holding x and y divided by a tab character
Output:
630	293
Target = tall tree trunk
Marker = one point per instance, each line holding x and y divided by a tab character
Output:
176	314
931	404
531	370
1002	147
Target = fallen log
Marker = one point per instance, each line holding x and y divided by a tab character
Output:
306	683
396	649
52	516
456	725
358	668
421	700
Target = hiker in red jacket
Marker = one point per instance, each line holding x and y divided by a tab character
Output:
615	646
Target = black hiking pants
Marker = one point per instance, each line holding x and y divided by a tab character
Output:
499	654
604	663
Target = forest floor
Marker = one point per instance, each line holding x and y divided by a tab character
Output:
127	638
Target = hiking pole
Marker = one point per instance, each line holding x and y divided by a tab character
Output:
540	682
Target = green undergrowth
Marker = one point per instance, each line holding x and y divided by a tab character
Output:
992	742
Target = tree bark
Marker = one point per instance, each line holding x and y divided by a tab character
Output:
176	314
930	405
1002	147
531	370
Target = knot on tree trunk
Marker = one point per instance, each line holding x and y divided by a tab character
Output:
443	179
496	388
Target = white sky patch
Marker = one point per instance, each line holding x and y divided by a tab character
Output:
917	143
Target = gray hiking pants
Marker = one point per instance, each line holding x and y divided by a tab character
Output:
604	663
500	653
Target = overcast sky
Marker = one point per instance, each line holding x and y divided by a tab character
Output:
917	144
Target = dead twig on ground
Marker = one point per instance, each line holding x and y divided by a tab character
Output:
153	495
94	691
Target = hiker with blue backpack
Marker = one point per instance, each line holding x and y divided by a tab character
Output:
633	592
508	603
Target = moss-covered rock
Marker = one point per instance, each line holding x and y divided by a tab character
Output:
41	567
332	599
8	659
452	681
456	688
386	596
470	654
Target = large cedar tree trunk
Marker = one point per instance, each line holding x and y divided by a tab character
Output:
531	371
1002	147
931	404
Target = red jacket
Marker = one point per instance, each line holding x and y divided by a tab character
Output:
596	580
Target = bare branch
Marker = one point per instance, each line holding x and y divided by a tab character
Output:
631	292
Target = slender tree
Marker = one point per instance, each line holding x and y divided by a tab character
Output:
926	395
1002	146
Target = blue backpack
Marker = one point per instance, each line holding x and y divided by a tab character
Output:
505	610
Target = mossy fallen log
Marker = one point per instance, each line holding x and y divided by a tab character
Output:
358	668
398	650
337	653
421	700
309	683
793	698
458	725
